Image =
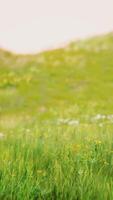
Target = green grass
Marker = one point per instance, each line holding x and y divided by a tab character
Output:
56	123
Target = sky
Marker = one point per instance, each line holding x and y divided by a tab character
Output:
29	26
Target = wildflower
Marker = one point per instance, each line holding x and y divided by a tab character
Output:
68	121
63	121
98	142
41	172
76	147
73	122
110	117
99	116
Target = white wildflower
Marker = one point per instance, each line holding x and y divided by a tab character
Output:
110	117
63	121
100	116
68	121
73	122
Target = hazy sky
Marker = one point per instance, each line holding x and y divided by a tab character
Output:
32	25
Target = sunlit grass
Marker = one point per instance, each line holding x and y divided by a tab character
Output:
56	122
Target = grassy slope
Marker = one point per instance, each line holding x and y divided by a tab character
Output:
78	74
75	82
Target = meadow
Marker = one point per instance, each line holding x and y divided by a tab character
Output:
56	123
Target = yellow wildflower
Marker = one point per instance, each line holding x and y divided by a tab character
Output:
76	147
98	142
41	172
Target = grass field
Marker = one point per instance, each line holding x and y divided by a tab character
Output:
56	123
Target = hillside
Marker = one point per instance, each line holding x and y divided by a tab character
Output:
79	75
56	123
